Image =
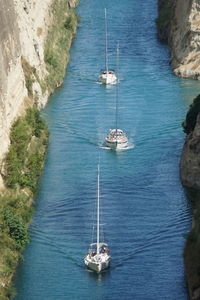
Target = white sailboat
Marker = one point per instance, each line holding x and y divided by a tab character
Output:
116	138
98	257
107	76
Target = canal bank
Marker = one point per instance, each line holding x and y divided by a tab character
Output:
23	163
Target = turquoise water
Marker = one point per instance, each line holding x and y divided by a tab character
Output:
144	207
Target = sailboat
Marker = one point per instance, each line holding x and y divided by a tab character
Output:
98	257
116	138
107	76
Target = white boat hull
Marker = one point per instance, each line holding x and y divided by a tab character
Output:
97	265
108	78
116	145
116	139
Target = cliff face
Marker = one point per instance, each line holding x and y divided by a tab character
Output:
12	87
190	177
24	28
190	159
35	38
179	24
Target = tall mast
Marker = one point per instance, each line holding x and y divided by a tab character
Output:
106	42
117	87
98	196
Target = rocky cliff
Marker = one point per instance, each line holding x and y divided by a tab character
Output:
35	37
190	177
179	24
25	26
190	159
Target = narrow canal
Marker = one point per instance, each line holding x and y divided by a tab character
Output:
145	211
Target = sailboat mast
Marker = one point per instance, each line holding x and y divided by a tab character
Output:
106	42
117	88
98	196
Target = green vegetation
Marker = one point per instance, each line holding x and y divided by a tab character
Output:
29	76
23	163
29	137
191	117
56	53
21	170
58	43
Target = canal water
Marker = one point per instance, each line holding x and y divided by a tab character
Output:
145	213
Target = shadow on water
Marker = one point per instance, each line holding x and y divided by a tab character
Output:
192	195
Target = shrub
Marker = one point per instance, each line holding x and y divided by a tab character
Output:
28	73
34	119
17	230
24	160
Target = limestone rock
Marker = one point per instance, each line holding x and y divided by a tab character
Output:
24	26
183	35
72	3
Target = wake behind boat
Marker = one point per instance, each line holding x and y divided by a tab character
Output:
98	257
107	76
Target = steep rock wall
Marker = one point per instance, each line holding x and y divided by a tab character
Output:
190	178
24	27
190	159
179	25
12	84
19	36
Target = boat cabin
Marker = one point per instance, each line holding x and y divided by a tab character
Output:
103	248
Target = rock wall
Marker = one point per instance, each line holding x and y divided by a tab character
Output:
190	178
179	24
24	27
190	159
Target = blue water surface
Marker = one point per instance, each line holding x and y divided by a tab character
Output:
144	208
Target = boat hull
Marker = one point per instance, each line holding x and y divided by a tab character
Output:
116	139
116	145
108	78
97	266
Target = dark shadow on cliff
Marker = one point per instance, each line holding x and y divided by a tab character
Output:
192	247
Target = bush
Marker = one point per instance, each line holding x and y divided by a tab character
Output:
34	119
24	161
28	73
17	230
